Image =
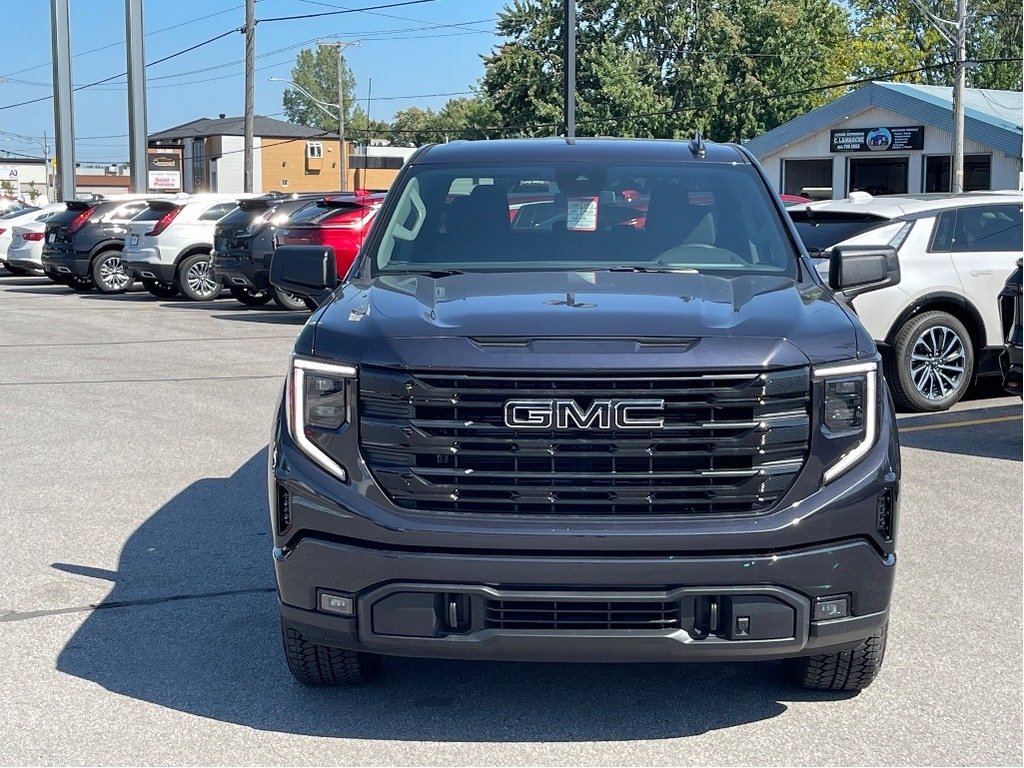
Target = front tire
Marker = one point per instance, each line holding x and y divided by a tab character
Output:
196	280
932	362
109	274
161	290
315	664
288	301
853	669
249	296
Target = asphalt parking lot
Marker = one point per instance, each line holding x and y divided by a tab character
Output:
138	619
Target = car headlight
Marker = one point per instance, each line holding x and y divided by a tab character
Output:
318	396
848	412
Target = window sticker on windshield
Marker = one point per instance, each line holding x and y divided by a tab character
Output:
581	214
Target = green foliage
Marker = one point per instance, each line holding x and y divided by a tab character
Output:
316	70
6	187
664	67
33	193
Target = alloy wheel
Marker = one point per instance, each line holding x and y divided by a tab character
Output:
112	274
200	279
938	362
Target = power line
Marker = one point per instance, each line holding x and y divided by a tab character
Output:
453	25
345	10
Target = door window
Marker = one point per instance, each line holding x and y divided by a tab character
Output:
987	228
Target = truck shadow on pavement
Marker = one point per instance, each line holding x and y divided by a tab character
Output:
191	624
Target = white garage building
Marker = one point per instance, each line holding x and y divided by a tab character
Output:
895	138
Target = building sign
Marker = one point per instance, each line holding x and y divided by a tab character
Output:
9	181
890	139
164	165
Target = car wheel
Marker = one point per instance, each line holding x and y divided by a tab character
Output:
250	296
17	271
853	669
932	362
161	290
315	664
196	280
289	301
109	274
79	284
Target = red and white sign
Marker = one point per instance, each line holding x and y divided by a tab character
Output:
165	180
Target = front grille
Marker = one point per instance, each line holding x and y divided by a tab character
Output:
574	615
731	443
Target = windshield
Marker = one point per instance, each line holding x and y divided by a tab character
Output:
820	231
569	216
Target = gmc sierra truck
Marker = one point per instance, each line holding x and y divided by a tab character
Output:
584	400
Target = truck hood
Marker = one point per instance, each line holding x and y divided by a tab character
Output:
552	320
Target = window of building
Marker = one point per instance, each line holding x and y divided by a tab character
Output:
799	176
314	150
376	161
881	176
977	173
198	166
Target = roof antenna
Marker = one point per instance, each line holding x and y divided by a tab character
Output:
697	146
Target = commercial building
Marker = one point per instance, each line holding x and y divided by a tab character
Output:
895	138
286	157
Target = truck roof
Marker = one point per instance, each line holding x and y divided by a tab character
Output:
580	149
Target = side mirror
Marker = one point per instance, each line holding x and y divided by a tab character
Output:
854	270
305	270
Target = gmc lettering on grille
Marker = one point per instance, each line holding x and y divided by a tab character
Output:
600	414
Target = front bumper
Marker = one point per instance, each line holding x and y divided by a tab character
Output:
404	602
148	264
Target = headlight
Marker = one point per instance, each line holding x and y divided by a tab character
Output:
317	407
848	412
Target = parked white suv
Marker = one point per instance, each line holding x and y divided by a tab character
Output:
168	245
9	222
939	327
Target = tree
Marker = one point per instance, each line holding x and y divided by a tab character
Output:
33	192
661	68
6	187
895	35
316	70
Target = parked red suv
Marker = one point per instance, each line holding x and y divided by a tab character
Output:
339	221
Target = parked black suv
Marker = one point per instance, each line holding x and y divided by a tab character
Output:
636	427
243	245
1011	361
83	244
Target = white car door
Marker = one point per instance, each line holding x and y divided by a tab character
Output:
985	246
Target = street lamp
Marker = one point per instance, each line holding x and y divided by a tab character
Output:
339	116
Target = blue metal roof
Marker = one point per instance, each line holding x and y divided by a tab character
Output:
992	118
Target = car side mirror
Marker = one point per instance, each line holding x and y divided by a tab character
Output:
305	270
854	270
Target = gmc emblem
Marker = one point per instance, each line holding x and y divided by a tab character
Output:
600	414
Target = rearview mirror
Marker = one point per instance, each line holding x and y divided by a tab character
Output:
854	270
305	270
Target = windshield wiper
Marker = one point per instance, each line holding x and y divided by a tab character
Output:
638	268
425	272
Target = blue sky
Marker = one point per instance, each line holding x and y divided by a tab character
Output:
428	48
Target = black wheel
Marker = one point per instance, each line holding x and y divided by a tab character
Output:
250	296
196	280
79	284
161	290
315	664
851	670
932	362
17	271
108	274
288	301
311	305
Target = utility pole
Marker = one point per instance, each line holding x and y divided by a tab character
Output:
341	45
46	166
63	99
250	86
956	176
137	134
955	34
569	76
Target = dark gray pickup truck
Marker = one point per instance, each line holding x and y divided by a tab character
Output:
584	401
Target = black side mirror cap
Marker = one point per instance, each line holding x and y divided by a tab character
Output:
854	270
305	270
